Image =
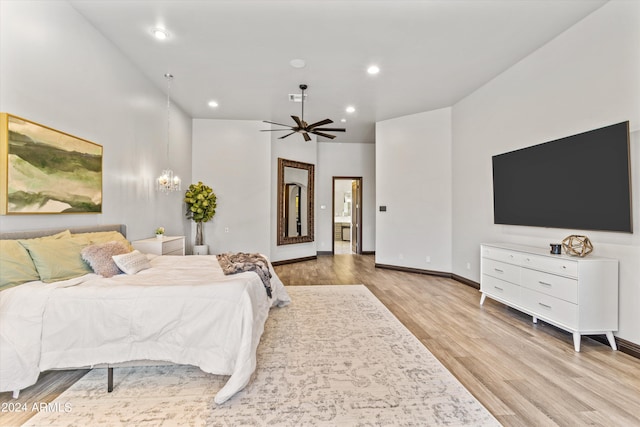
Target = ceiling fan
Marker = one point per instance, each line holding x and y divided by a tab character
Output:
303	128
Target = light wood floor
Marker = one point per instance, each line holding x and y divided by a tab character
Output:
525	374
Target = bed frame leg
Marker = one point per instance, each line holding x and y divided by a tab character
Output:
109	380
15	394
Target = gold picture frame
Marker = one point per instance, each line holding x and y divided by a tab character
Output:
45	171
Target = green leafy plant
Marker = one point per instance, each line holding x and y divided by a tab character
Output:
160	230
201	206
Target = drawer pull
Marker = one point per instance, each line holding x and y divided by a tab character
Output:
498	270
544	305
498	288
544	283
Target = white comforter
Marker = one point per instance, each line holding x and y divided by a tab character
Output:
183	310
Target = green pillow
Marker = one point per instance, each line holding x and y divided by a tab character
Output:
16	266
58	259
104	237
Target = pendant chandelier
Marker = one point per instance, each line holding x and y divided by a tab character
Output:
167	182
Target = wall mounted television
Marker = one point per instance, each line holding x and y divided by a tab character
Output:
579	182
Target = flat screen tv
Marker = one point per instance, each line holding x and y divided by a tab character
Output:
579	182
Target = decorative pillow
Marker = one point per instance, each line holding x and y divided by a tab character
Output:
57	259
99	257
16	266
104	237
132	262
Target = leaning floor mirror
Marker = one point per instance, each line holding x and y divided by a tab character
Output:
295	202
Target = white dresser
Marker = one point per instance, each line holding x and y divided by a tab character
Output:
168	245
579	295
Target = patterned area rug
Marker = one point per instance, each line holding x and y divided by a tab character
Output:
336	356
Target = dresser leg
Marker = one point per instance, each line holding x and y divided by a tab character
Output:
482	298
612	340
576	341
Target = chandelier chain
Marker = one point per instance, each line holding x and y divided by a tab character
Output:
169	78
168	182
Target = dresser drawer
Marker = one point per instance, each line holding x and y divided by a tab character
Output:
176	252
561	266
556	286
501	255
501	270
172	246
550	308
500	289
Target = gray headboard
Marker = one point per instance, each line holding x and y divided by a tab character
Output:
29	234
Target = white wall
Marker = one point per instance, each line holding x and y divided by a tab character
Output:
346	159
586	78
57	70
241	165
413	180
233	158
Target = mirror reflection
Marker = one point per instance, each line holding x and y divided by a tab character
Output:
295	202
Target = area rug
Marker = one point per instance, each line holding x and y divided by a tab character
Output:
335	357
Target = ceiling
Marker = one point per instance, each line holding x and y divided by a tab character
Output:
431	53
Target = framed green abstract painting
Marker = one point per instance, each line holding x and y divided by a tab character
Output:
45	171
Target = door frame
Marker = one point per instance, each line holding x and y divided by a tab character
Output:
358	216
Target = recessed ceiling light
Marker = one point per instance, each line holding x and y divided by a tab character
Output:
350	109
160	33
297	63
343	120
374	69
212	104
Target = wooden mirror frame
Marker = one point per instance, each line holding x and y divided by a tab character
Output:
309	237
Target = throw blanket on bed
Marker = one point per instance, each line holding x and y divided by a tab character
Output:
241	262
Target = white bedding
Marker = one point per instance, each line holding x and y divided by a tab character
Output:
182	310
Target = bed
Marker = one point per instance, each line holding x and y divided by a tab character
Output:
175	309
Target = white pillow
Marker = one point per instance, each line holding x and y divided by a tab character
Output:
132	262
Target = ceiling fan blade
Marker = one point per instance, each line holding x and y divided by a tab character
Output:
283	137
298	121
273	130
331	129
320	123
274	123
306	136
324	135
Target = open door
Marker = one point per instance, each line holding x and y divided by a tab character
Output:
347	215
356	216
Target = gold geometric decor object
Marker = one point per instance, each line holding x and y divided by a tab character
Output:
577	245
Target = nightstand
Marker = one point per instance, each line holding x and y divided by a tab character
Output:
168	245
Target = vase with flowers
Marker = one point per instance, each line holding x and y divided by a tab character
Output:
201	207
159	232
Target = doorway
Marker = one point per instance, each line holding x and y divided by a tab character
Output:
347	215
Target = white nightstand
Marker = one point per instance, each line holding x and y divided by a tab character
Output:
168	245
